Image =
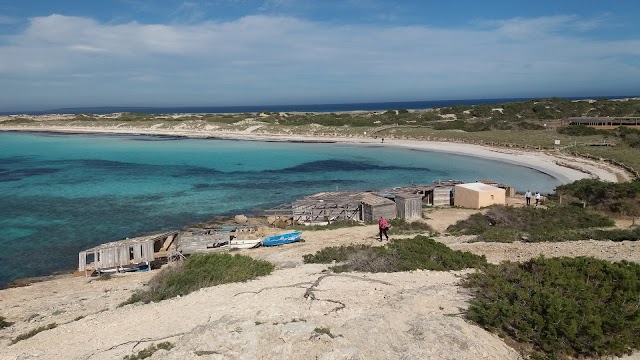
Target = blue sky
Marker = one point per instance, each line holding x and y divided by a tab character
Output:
74	53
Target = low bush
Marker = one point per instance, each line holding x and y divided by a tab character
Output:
606	196
398	255
4	323
580	307
150	350
333	253
614	234
400	226
581	130
506	224
34	332
199	271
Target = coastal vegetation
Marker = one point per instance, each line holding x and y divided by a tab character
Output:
419	252
34	332
618	198
4	323
536	123
549	308
324	331
555	308
200	271
150	350
401	227
533	224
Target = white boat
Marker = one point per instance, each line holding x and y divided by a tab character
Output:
244	244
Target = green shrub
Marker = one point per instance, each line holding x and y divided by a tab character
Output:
506	224
4	323
400	226
476	224
615	234
199	271
607	196
34	332
398	255
150	350
499	234
333	253
580	307
324	330
580	130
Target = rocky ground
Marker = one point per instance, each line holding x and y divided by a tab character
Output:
298	312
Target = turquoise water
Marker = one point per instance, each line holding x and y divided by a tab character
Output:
60	194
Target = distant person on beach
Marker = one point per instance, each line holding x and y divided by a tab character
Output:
527	196
383	225
382	139
537	198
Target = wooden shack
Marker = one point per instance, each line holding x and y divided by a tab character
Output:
374	206
124	254
443	196
202	241
409	206
322	207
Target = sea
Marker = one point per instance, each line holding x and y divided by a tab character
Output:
367	106
63	193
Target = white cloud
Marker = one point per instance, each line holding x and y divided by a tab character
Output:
261	59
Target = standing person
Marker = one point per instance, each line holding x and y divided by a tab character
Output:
383	226
537	198
527	196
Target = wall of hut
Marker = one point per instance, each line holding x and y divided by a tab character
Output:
409	207
442	196
320	214
193	243
372	212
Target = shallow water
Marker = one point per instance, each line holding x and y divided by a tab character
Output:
60	194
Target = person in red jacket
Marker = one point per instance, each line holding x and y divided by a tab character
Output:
383	225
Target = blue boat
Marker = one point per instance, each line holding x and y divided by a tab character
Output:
282	239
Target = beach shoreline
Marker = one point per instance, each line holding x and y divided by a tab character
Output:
554	163
542	161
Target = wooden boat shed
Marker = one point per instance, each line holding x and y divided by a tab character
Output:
126	253
205	240
409	206
374	206
323	207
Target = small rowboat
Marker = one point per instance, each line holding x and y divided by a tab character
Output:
282	239
244	244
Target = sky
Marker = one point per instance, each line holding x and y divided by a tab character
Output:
79	53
